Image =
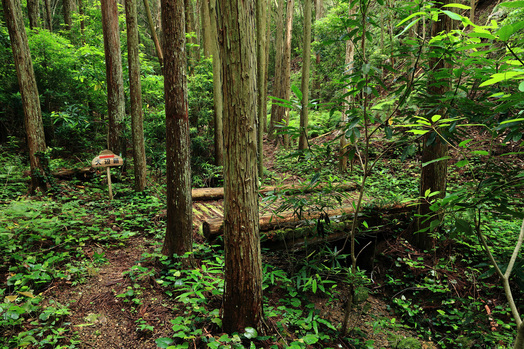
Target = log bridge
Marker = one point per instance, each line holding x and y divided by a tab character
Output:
285	229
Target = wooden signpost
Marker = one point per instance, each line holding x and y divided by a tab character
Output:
107	159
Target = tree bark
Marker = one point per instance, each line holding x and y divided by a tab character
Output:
277	81
115	82
179	231
433	176
350	53
206	29
286	64
66	8
193	51
33	11
261	76
243	262
153	33
29	91
217	86
137	117
306	64
319	13
48	15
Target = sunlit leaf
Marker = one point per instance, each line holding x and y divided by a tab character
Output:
436	118
436	160
452	15
27	294
464	7
513	4
495	78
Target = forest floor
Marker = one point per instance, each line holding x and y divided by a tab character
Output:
101	316
101	319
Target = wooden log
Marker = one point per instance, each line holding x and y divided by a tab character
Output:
202	194
212	228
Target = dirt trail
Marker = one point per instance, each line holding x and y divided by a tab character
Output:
103	320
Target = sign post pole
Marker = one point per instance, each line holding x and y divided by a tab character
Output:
107	159
109	183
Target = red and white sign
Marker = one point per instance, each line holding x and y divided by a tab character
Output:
107	158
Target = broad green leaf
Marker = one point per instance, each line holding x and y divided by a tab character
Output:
480	152
505	32
521	86
483	35
418	132
434	224
464	142
462	163
164	342
250	332
464	7
513	4
436	118
310	339
436	160
452	15
498	77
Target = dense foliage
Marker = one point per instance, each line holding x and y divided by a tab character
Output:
448	297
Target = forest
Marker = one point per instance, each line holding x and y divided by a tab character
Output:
261	174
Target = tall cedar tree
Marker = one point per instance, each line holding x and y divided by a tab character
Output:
135	87
306	64
243	262
261	76
29	91
179	232
279	51
218	99
115	82
433	176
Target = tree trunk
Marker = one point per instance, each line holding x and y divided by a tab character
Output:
306	63
277	81
66	8
217	86
261	76
206	29
433	176
48	15
319	13
137	117
153	33
350	53
286	65
33	11
115	82
266	76
193	51
243	261
81	12
29	91
179	231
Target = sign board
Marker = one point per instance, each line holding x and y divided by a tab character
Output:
107	158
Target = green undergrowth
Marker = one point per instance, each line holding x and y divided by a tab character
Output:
44	241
